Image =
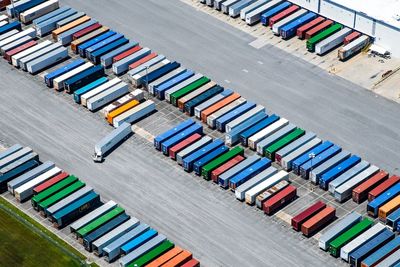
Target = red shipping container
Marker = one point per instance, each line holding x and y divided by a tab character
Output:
281	15
224	167
360	193
317	222
50	182
126	53
142	60
279	200
181	145
318	28
86	30
18	49
302	30
4	3
383	187
351	37
191	263
307	214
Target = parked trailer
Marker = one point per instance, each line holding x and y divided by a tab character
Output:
24	61
189	161
383	187
16	10
86	30
392	260
154	253
271	139
301	31
212	119
226	118
255	15
318	221
382	253
180	260
115	113
16	58
96	56
169	76
47	60
176	135
158	73
190	106
8	34
328	157
214	99
271	150
346	237
25	191
143	60
270	192
360	193
382	199
344	191
127	53
45	27
224	167
3	17
318	29
192	148
218	106
15	25
249	173
337	170
234	10
50	15
174	97
201	162
293	146
122	66
347	176
17	168
388	208
83	46
244	137
58	186
138	241
48	78
66	37
77	209
218	4
30	175
70	25
112	250
91	93
100	100
87	38
338	229
87	88
233	136
97	46
279	200
251	7
354	47
289	30
16	155
251	195
332	41
313	41
266	131
306	214
279	6
15	44
135	113
113	235
9	151
183	100
28	32
286	162
70	19
143	63
49	183
38	11
226	5
351	37
183	144
393	219
244	117
240	192
284	17
85	77
137	95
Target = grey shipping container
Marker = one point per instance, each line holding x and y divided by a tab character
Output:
294	146
318	171
332	41
274	137
47	60
15	156
122	66
17	58
252	7
164	78
240	192
181	85
107	96
145	65
65	38
192	148
107	59
49	25
70	19
347	175
10	151
16	43
135	113
24	61
223	179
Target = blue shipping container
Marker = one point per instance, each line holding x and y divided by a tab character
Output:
25	6
383	198
318	160
234	136
172	132
51	15
289	30
82	47
249	172
197	166
306	156
244	137
103	43
48	78
95	56
195	128
160	89
382	253
189	161
393	219
334	172
107	59
191	104
233	114
138	241
83	78
271	12
49	25
154	75
21	169
78	93
223	179
15	25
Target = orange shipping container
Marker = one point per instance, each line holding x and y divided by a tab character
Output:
69	26
220	104
120	110
182	258
142	60
165	257
388	208
318	221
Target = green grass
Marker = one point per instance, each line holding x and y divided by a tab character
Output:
25	242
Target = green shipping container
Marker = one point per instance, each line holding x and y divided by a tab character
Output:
82	232
187	89
322	35
52	190
270	151
60	195
209	167
349	235
152	254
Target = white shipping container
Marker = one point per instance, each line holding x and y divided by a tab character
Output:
3	18
137	94
252	7
8	34
143	66
332	41
48	49
85	97
59	81
135	113
274	137
286	162
107	96
2	23
211	120
255	15
347	176
267	131
164	78
10	8
38	11
218	4
227	4
15	44
47	60
353	47
136	79
28	32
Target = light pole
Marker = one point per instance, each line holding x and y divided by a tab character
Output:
147	78
311	156
12	4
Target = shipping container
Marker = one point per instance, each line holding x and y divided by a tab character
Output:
152	254
192	263
286	162
190	106
251	7
135	113
383	187
263	144
244	137
138	74
351	37
356	257
48	78
77	209
388	208
112	250
23	62
279	200
227	110
179	260
235	9
144	60
268	193
85	77
30	175
100	100
87	38
227	4
144	63
83	46
233	136
318	221
393	219
107	59
311	42
223	179
337	170
255	15
182	101
165	257
64	28
136	94
50	15
113	235
267	131
218	3
183	144
331	162
166	140
306	214
39	10
138	241
192	148
214	164
126	53
25	191
332	41
218	106
42	187
8	34
251	195
354	47
382	253
224	167
45	27
189	161
348	175
96	56
122	65
28	32
339	228
287	139
249	173
200	163
160	72
16	44
293	146
15	25
276	9
346	237
285	17
289	30
87	88
15	10
361	239
174	97
115	113
382	199
237	122
97	46
360	193
15	155
59	81
226	118
168	76
301	31
211	101
17	168
86	30
47	60
344	191
56	187
392	260
240	192
88	95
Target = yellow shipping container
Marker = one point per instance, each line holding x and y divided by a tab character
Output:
388	208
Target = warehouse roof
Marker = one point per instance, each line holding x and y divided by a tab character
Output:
387	11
